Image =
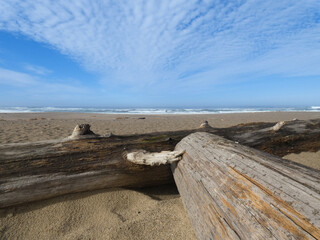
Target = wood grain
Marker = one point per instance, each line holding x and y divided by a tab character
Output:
36	171
235	192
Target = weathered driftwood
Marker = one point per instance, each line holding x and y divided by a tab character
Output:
235	192
292	137
143	157
278	126
30	172
82	131
35	171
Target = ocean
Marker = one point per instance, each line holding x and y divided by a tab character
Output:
156	110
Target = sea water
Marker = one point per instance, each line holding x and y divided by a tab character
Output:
156	110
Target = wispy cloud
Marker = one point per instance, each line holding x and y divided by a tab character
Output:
36	84
13	78
39	70
151	42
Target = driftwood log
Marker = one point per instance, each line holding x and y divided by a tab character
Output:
85	161
42	170
235	192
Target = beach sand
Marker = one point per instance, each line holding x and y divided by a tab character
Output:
150	213
309	159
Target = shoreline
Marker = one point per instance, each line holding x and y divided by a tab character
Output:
160	114
160	110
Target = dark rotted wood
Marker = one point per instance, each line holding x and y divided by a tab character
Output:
294	137
235	192
34	171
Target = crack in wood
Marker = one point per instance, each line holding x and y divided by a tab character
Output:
299	219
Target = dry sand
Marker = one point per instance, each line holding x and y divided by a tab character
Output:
309	159
152	213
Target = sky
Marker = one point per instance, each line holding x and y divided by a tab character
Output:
168	53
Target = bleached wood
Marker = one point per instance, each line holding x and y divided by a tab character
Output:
143	157
82	131
278	126
235	192
205	124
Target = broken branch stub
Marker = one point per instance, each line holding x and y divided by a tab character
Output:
278	126
205	124
82	131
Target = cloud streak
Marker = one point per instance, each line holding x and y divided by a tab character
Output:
37	69
35	83
148	43
14	78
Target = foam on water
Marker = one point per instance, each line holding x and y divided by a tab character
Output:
154	110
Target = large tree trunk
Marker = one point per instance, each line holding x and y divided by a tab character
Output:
235	192
35	171
42	170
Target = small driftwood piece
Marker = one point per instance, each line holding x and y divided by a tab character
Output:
143	157
40	170
278	126
235	192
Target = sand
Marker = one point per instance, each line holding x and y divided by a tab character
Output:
309	159
151	213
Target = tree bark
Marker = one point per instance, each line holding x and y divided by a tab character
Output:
235	192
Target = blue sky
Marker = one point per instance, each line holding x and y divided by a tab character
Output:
160	53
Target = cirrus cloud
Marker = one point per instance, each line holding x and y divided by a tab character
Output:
153	42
